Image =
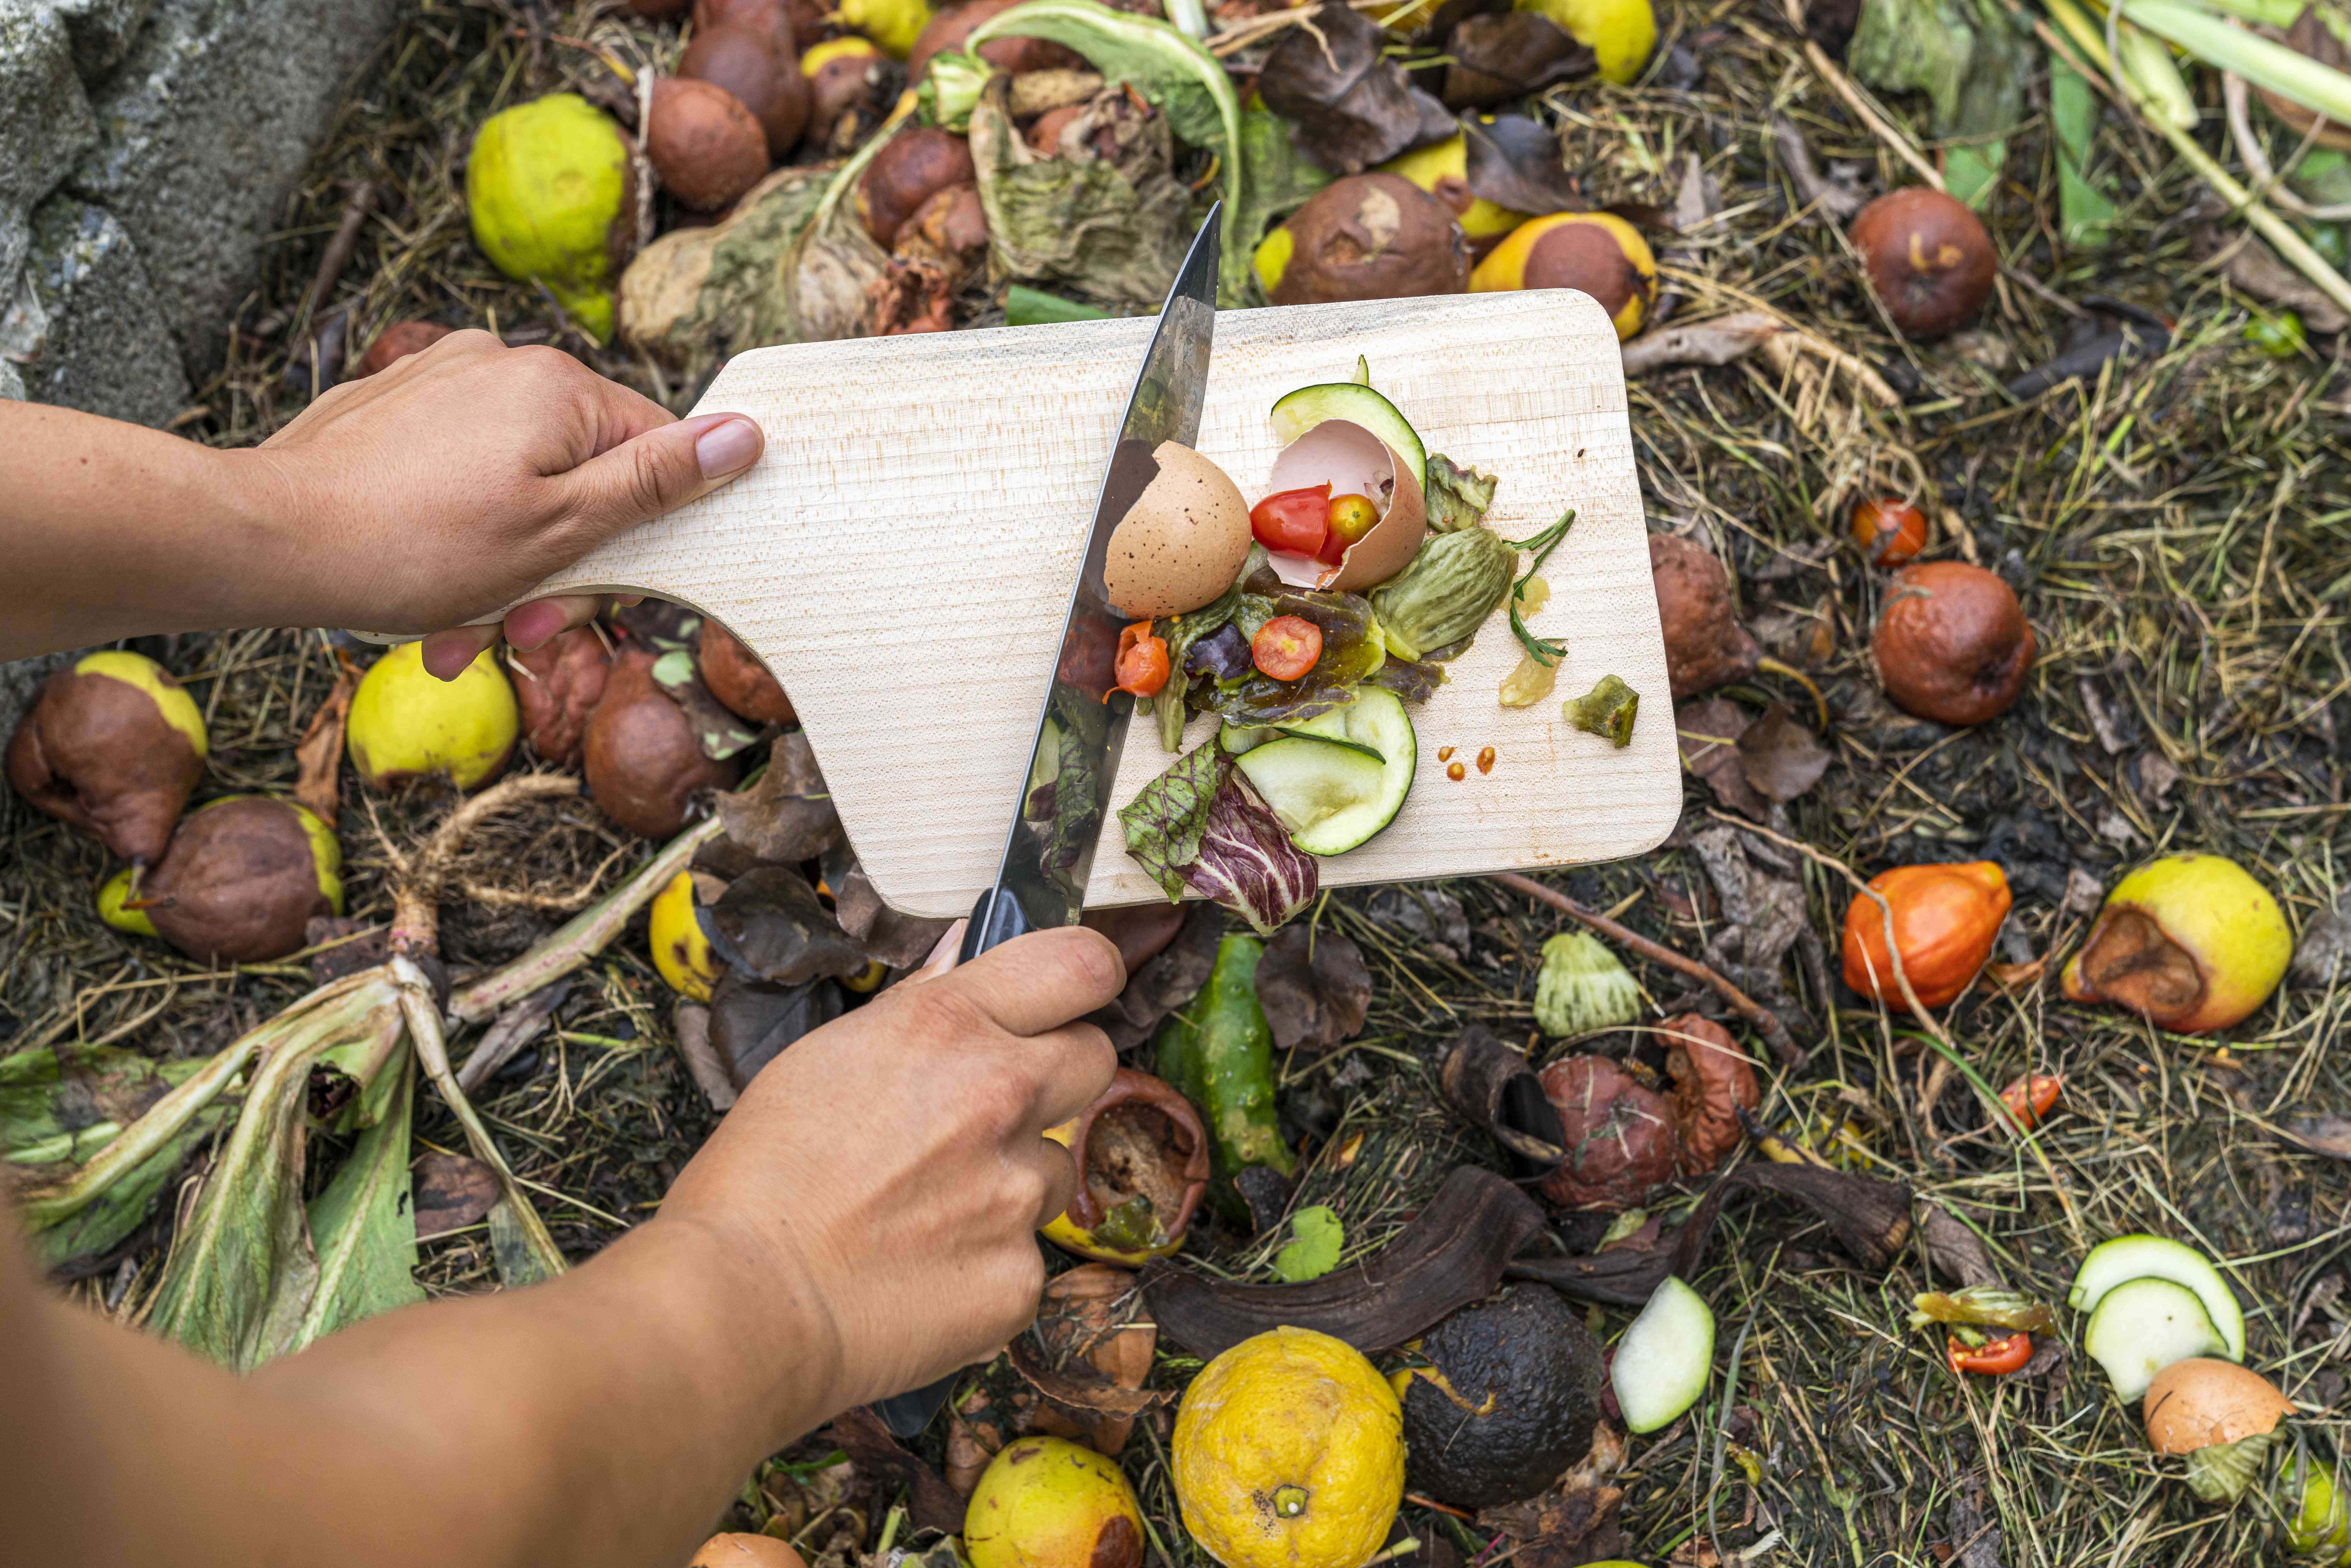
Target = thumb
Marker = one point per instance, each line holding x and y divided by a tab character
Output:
662	469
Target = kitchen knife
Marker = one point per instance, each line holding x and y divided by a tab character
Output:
1057	813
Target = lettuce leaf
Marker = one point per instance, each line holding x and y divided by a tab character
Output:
1165	819
1353	652
1199	827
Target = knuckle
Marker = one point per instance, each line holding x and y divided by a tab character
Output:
651	485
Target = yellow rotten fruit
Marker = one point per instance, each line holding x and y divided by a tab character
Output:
1044	1502
681	952
550	191
406	723
892	23
2190	943
1598	252
1620	32
1288	1453
1272	256
818	56
171	698
110	894
1442	169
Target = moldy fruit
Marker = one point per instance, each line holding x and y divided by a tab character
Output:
406	723
1945	918
244	876
557	685
551	194
704	144
1927	258
1143	1167
1442	169
1706	646
1952	643
1045	1502
2190	943
1598	252
1500	1398
918	162
1619	1134
1369	237
641	761
113	746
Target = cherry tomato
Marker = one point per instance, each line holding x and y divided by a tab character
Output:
1351	518
1286	647
1994	1358
1293	522
1889	531
2030	1098
1142	661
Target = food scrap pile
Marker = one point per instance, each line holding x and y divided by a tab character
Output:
1933	1151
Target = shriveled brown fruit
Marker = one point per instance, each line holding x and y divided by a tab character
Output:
1928	259
739	680
852	78
557	685
949	28
950	229
704	144
100	754
1093	1316
747	62
1952	643
1045	135
398	341
1619	1134
771	17
1140	1139
1706	646
1712	1083
1372	237
643	764
240	882
918	162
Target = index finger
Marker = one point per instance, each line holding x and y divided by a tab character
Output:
1042	980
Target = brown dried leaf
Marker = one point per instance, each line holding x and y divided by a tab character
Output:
1497	58
1710	729
1169	979
786	816
1314	989
1779	757
1716	342
452	1191
769	926
2328	1136
319	785
932	1504
1575	1522
1350	106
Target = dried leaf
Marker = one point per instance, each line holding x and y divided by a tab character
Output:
1513	160
1171	977
751	1022
1350	105
719	730
1314	987
1497	58
931	1503
319	785
1083	1395
2329	1135
768	926
452	1191
515	1028
1779	757
1709	729
1574	1522
1716	342
900	941
785	815
1430	914
690	1028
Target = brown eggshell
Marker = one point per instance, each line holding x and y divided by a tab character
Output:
1353	462
739	680
746	63
2197	1403
1183	541
918	162
642	763
557	685
238	884
949	28
739	1551
98	754
399	340
704	144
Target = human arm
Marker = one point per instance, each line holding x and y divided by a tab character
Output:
435	491
861	1223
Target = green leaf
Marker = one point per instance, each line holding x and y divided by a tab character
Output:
362	1230
1165	819
1314	1252
1276	179
1970	63
1027	307
2085	209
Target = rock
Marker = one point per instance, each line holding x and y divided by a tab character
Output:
85	327
12	385
45	120
101	31
204	126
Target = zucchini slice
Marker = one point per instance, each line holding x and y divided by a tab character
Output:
1334	797
1238	738
1307	407
1665	1359
2110	1263
2142	1326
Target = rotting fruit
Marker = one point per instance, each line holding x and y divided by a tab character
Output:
750	63
1499	1399
112	894
113	746
1706	646
1927	258
1619	1134
243	877
894	25
1945	918
1045	1502
1143	1168
1952	643
644	765
1288	1453
706	145
737	679
916	165
399	340
1598	252
1621	34
552	198
1713	1083
735	1549
557	685
1889	530
949	28
1442	169
843	74
406	723
2190	943
1369	237
681	948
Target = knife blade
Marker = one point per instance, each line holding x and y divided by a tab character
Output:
1073	761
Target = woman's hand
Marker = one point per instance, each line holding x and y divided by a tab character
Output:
441	487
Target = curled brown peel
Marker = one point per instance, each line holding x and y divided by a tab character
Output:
2129	960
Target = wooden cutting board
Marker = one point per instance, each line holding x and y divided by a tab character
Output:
901	559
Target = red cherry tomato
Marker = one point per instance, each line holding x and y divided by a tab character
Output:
1286	647
1350	518
1293	522
1142	661
1992	1359
1889	530
2030	1098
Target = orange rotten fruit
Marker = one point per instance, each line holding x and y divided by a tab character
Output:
1945	918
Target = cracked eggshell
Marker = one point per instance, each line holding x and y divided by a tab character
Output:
1183	541
1355	463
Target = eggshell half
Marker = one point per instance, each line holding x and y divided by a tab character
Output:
2197	1403
1353	462
1183	541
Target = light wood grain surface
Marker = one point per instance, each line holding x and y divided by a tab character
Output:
902	558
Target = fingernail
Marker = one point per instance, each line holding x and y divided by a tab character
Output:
534	623
726	448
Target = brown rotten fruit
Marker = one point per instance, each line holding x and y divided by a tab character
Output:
399	340
242	878
704	144
1619	1134
1369	237
557	685
739	680
1952	643
747	62
949	28
113	746
1712	1083
770	18
843	74
1927	258
918	162
642	763
1143	1163
1509	1393
1706	646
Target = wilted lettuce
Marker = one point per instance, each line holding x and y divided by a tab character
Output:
1458	498
1445	592
1199	827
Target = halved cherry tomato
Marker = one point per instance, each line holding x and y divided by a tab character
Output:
1350	518
2030	1098
1293	522
1142	661
1992	1358
1286	647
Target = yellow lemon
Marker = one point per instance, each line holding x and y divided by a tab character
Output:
550	194
406	723
110	894
1288	1453
681	952
1043	1502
